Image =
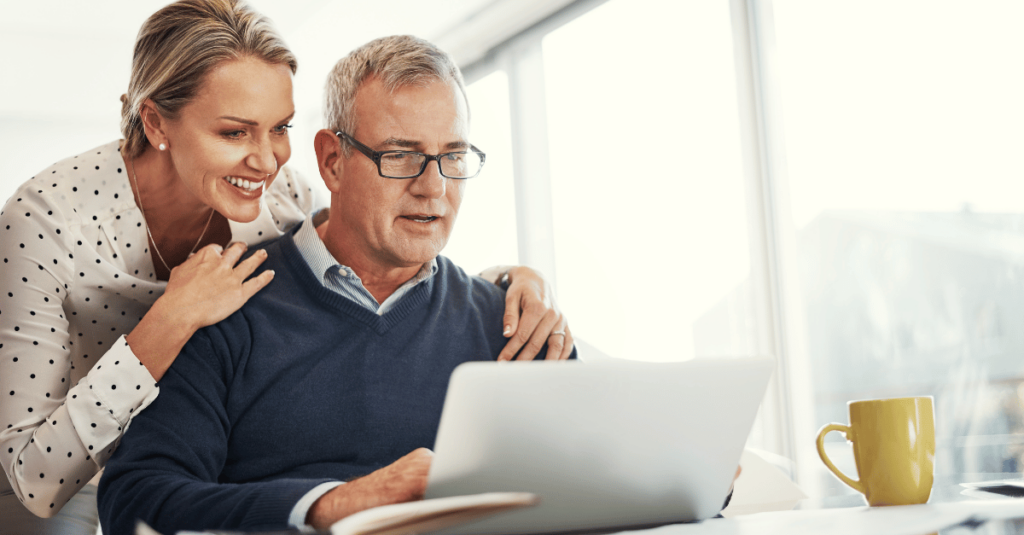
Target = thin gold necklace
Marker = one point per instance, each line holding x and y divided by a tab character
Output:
157	250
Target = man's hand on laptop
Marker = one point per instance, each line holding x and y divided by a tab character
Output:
404	480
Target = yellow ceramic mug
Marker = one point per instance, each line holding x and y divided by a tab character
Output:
894	447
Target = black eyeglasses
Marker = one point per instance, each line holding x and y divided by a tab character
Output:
407	164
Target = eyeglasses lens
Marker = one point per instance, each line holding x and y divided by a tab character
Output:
453	165
400	164
460	164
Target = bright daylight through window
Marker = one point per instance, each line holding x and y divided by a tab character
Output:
647	188
486	232
903	148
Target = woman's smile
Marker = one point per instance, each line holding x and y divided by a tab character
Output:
247	185
230	141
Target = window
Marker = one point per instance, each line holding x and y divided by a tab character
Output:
650	221
485	233
903	140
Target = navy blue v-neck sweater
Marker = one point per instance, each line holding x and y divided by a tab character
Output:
299	387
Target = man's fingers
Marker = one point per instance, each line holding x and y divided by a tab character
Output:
420	455
567	348
410	474
413	466
538	336
401	481
419	452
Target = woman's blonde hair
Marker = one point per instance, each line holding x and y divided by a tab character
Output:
179	44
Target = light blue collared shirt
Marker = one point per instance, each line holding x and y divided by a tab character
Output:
341	279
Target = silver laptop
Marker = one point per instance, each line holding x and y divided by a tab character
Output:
621	445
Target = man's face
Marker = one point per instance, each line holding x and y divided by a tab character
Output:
400	223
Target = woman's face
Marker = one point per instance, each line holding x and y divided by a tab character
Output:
228	144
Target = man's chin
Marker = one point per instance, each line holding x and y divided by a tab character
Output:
416	260
416	256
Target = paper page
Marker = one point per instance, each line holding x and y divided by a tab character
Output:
982	485
429	515
761	487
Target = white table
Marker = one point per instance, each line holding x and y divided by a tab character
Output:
996	514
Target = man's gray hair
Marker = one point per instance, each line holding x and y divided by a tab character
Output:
398	61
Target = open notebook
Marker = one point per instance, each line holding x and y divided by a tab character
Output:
412	517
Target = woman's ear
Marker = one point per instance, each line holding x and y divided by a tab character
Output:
154	124
330	158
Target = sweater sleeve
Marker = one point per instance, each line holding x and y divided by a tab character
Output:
54	436
166	472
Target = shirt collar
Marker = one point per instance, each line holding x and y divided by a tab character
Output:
321	261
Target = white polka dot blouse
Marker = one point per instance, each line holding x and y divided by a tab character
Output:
77	276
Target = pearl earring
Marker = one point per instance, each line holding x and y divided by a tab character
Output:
163	147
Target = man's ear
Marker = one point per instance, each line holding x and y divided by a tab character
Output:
329	156
154	124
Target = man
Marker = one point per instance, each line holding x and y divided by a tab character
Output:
310	384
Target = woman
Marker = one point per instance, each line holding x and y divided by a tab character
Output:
100	285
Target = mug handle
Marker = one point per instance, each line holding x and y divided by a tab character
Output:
856	485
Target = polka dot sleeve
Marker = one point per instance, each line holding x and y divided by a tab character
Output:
298	195
54	436
116	388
